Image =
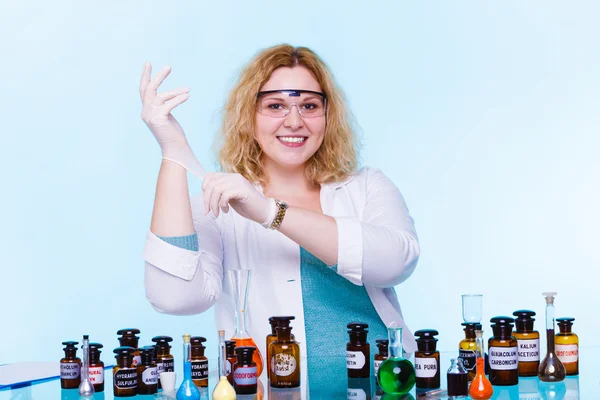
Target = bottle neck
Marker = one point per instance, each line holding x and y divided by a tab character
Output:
186	352
550	316
197	351
565	329
187	370
124	361
71	353
524	326
502	332
284	336
358	337
395	343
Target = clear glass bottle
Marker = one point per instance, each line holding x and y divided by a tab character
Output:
467	348
358	351
165	362
551	368
481	388
285	360
240	282
427	360
70	367
188	389
503	349
96	367
199	362
396	374
567	346
147	371
528	341
124	375
458	379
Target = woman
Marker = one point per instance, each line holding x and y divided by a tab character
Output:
326	242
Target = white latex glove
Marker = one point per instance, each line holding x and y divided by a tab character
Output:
222	190
156	113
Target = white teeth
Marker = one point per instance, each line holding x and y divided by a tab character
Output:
292	139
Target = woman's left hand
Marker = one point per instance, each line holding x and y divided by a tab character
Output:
222	190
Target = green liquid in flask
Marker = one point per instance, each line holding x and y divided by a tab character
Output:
396	375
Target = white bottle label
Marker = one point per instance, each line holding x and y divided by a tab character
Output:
356	394
376	365
283	364
125	378
150	376
425	367
355	359
245	376
160	368
69	371
567	353
503	358
529	350
96	375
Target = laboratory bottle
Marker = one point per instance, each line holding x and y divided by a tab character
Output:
124	375
358	351
567	346
528	341
284	371
503	358
70	367
427	360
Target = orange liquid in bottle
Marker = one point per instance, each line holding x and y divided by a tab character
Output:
256	356
481	388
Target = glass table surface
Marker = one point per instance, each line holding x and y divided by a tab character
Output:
334	384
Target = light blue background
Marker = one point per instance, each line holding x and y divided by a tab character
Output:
483	113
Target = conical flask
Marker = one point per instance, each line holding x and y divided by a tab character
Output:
240	282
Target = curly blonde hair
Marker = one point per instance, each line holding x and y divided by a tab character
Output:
238	150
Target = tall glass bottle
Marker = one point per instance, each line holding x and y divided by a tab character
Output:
503	348
276	322
96	367
147	371
240	282
124	375
86	388
70	367
285	360
467	348
427	360
358	351
529	343
165	362
551	368
199	362
396	374
187	390
567	346
481	388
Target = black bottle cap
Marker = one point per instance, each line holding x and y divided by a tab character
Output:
276	319
561	321
382	345
70	344
162	341
244	354
70	349
358	327
426	340
196	341
524	320
123	351
128	331
148	354
86	337
95	346
502	321
524	314
230	347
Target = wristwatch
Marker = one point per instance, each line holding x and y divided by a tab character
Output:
281	207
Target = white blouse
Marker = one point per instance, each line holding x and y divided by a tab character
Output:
377	247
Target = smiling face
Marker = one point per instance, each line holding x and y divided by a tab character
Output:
289	141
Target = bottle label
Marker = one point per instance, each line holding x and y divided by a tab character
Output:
69	371
376	365
355	359
200	369
567	353
529	350
96	375
137	360
468	358
356	394
245	376
503	358
283	364
168	365
150	376
425	367
125	378
227	367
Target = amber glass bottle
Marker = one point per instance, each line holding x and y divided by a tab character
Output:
245	378
199	362
70	367
358	351
127	338
124	375
284	371
467	348
566	345
275	322
528	341
147	371
427	360
502	349
230	360
381	356
96	367
164	360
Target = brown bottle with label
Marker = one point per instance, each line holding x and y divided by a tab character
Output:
566	346
245	379
358	351
467	347
528	341
125	377
284	371
70	367
147	371
199	362
502	350
127	338
96	371
164	359
382	346
275	322
427	360
231	359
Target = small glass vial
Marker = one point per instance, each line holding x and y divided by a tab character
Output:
275	322
230	360
244	371
503	358
127	338
567	346
199	362
427	360
467	348
358	351
284	371
382	346
164	360
147	371
528	341
458	379
70	367
124	375
96	367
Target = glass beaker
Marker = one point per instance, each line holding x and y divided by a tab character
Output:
471	308
240	282
396	375
551	369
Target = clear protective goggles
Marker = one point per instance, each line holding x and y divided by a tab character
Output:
279	103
